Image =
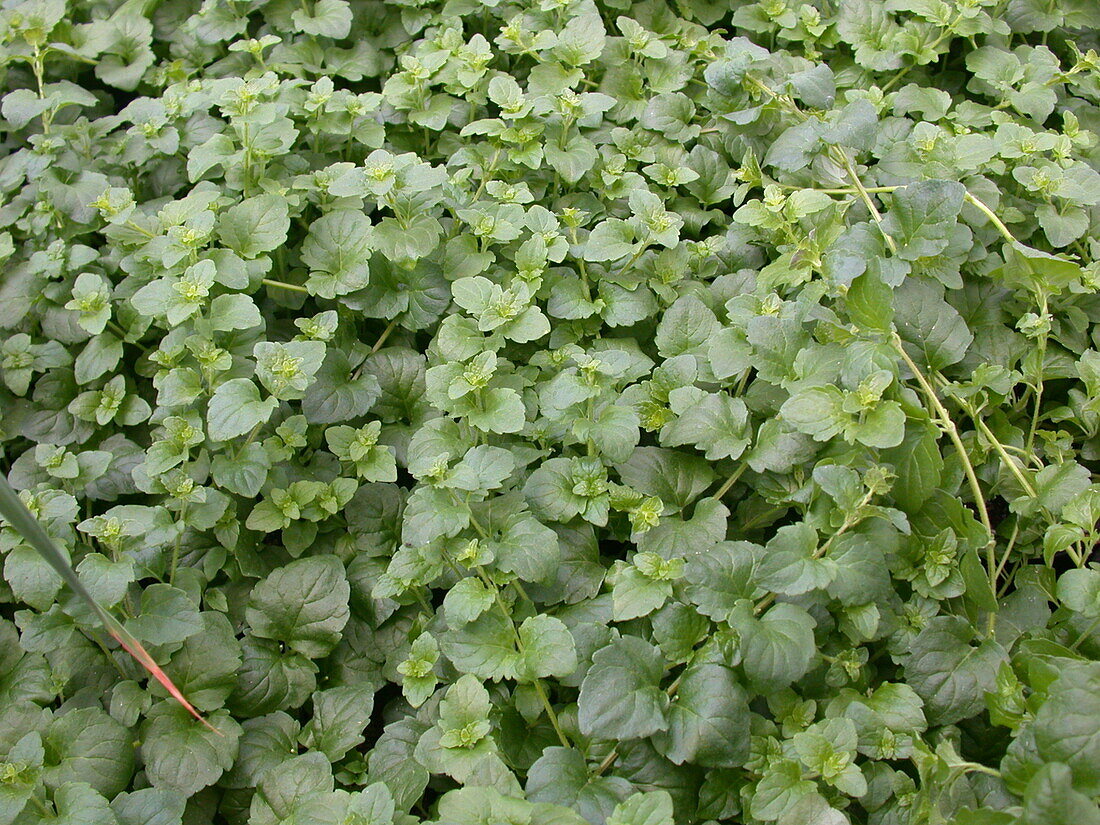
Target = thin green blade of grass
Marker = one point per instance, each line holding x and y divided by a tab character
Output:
15	512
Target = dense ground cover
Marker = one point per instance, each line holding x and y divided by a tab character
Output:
548	411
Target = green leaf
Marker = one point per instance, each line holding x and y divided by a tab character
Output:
149	806
337	249
561	777
643	808
686	328
708	720
340	715
817	412
329	18
780	790
635	595
526	547
934	331
467	600
949	673
255	225
167	616
547	649
789	564
86	745
287	370
1079	590
1065	729
500	410
235	409
1051	798
181	755
610	240
716	425
485	647
206	664
922	216
672	476
303	605
777	648
77	803
621	696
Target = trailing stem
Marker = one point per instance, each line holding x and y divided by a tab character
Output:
968	467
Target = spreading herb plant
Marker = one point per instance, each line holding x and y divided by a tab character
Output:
550	412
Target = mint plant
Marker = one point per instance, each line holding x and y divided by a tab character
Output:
542	411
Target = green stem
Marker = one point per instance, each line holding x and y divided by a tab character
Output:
382	338
581	266
742	383
541	691
841	190
488	172
488	582
1086	633
633	260
1006	233
176	547
39	69
893	81
43	809
1041	354
729	482
141	230
427	608
994	442
1003	563
284	285
864	195
248	440
858	187
968	468
977	767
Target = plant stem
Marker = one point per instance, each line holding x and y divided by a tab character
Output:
1006	233
425	606
1040	359
893	81
382	338
853	176
541	691
284	285
1086	633
39	68
488	582
633	259
141	230
488	171
968	468
978	768
176	547
994	442
842	190
248	440
729	482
